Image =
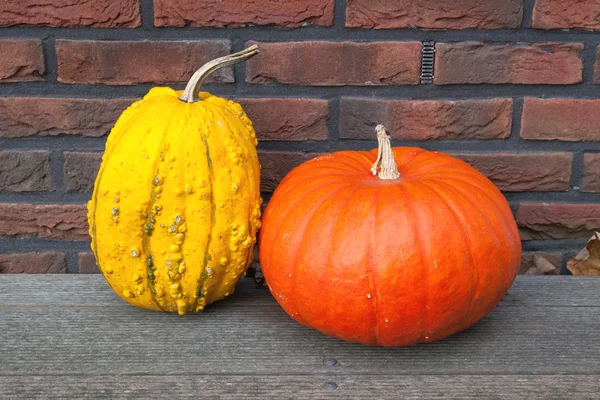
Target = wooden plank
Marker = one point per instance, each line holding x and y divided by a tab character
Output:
573	291
579	387
234	340
93	290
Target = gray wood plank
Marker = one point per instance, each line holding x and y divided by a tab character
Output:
92	290
264	340
579	387
86	290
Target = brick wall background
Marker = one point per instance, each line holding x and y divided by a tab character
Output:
515	94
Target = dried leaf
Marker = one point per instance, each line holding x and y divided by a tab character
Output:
541	266
587	261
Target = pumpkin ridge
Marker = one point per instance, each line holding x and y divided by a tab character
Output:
493	201
324	169
101	170
281	191
420	250
150	266
146	242
366	156
182	274
428	158
413	153
499	242
336	221
371	274
297	199
246	139
467	237
182	159
512	228
278	194
349	160
204	274
303	241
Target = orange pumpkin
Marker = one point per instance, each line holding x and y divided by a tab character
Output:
414	251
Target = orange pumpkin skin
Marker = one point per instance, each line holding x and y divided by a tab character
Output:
388	262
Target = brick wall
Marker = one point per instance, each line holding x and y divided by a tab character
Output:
515	94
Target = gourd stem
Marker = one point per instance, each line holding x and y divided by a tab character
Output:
385	166
190	94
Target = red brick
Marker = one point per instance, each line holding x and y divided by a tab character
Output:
288	119
80	170
55	221
22	60
476	62
434	14
276	165
560	119
236	13
25	171
524	172
71	13
37	116
541	221
591	173
566	14
426	119
336	63
540	263
597	66
131	62
87	263
33	263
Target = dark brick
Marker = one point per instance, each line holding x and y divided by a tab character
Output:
81	170
336	63
55	221
523	172
560	119
71	13
288	119
426	119
434	14
87	263
29	116
236	13
22	60
542	221
476	62
33	263
25	171
131	62
591	173
276	165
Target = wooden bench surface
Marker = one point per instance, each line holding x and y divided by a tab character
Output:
71	336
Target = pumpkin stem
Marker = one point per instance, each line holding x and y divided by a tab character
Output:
385	166
190	94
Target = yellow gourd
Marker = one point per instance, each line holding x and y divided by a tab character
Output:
176	203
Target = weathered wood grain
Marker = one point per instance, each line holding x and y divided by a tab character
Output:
263	339
71	336
92	290
506	387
